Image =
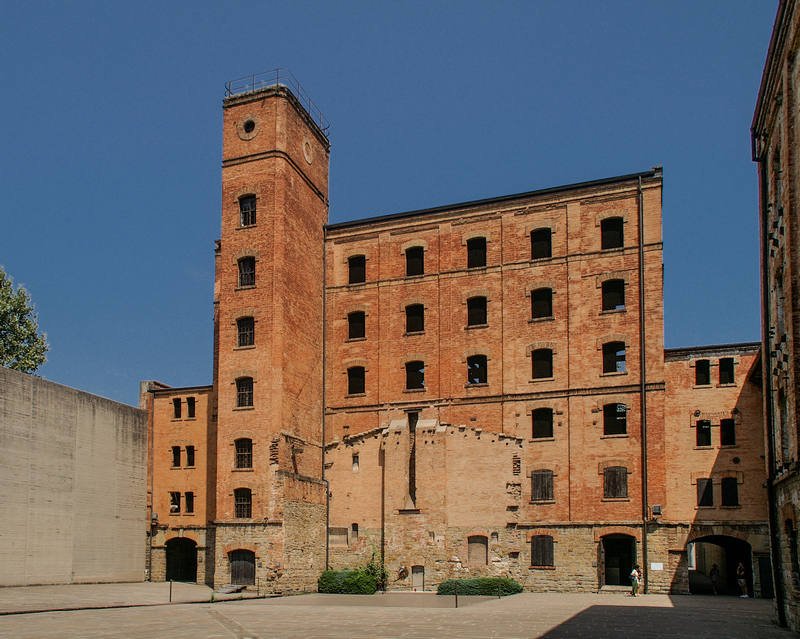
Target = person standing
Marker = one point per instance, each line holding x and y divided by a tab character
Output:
741	579
714	575
636	576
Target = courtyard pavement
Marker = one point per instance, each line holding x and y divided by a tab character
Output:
407	616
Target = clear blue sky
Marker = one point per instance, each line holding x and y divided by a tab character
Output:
110	164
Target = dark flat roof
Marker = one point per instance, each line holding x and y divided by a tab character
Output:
654	172
180	389
685	350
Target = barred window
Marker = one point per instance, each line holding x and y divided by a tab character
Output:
542	419
541	303
476	252
705	492
476	311
542	550
356	325
247	210
244	391
415	260
611	233
542	363
615	419
615	482
245	331
243	503
355	380
477	369
357	269
613	295
542	485
415	318
541	244
730	491
244	452
247	271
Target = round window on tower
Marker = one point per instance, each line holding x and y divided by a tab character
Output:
247	128
308	151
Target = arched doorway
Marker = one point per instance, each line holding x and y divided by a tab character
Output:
181	559
724	552
243	567
618	553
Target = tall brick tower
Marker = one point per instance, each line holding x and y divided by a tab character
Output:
270	506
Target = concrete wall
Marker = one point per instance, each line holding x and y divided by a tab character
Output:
72	485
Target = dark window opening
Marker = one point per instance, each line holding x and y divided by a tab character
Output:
415	260
247	210
542	303
703	434
477	369
355	380
705	492
357	269
174	503
727	432
726	370
542	485
415	318
413	418
188	499
415	375
613	295
353	532
730	491
356	325
542	550
243	503
245	331
244	453
176	408
611	234
614	357
244	391
176	456
615	419
247	271
615	482
476	252
541	244
542	363
190	404
702	372
190	456
476	311
542	423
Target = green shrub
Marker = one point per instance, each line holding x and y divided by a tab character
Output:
492	586
347	582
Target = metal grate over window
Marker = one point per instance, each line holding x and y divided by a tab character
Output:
247	210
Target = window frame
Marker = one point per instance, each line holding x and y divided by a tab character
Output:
357	267
415	318
612	233
245	331
176	457
190	456
543	550
541	246
613	290
247	271
615	482
548	422
727	368
705	492
174	502
477	308
705	425
188	500
615	355
243	453
242	503
546	490
729	492
247	213
545	299
244	392
612	419
415	261
356	385
477	250
702	371
537	352
727	432
415	375
353	325
176	408
191	408
477	363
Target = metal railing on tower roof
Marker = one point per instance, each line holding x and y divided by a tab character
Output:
277	78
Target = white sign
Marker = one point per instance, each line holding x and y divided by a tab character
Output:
656	566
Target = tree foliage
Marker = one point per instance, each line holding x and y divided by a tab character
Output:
21	346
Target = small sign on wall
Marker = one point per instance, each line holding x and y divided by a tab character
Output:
656	566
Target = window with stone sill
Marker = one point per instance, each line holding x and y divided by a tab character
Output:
542	303
542	551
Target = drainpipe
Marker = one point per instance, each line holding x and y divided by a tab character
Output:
324	405
766	375
643	387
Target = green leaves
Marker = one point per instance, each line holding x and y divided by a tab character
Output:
22	348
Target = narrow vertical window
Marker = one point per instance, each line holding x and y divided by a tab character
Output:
415	261
243	503
613	295
615	419
542	363
542	423
476	311
476	252
176	408
730	491
705	492
245	331
356	269
477	369
355	462
247	210
415	375
247	271
726	370
188	499
703	434
541	244
355	380
190	407
542	303
615	482
354	532
415	318
174	503
614	357
356	325
244	392
611	234
190	456
542	485
176	456
702	372
542	551
244	452
727	432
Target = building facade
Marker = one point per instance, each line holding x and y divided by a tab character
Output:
775	149
478	388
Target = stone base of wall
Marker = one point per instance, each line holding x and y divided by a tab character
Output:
203	539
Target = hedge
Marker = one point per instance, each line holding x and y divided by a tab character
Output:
347	582
493	586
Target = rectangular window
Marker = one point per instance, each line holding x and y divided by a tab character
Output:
614	357
247	210
356	382
476	311
705	492
176	456
189	501
476	252
477	369
727	432
415	318
615	419
356	325
415	261
244	453
542	303
730	491
542	363
176	408
702	372
703	434
190	403
245	331
542	550
357	269
247	271
542	485
726	370
542	423
243	503
615	482
190	456
244	392
355	462
353	532
174	503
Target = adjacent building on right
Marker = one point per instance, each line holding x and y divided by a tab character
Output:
775	149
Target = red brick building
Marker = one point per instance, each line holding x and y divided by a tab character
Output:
483	386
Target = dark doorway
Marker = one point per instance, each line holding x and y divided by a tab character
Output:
619	552
181	559
726	552
243	567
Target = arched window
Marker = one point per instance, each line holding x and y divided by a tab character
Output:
247	210
542	363
477	369
542	550
247	271
614	357
477	550
415	260
355	380
243	503
244	391
613	295
356	325
356	269
415	375
244	453
615	482
615	419
611	234
415	318
542	419
476	311
476	252
245	331
541	244
541	303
